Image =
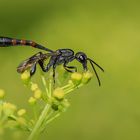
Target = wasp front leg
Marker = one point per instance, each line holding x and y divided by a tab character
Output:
70	68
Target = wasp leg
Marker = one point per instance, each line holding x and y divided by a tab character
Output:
41	64
33	69
54	67
67	68
47	68
51	63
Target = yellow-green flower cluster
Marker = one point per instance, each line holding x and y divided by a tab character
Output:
59	103
10	117
78	78
53	100
36	91
8	108
37	94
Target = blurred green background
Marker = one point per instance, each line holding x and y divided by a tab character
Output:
107	31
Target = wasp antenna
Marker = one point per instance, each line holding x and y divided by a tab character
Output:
95	71
91	61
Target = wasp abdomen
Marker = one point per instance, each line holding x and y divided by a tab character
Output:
5	41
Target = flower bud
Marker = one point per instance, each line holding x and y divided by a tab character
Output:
76	78
21	112
87	77
25	76
58	93
34	87
64	105
37	94
55	103
9	108
32	100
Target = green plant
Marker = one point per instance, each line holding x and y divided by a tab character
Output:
53	102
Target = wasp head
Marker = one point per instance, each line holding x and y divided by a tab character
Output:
82	58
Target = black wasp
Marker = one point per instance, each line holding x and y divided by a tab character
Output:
58	57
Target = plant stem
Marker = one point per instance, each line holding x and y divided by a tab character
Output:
44	83
50	89
36	130
51	119
70	90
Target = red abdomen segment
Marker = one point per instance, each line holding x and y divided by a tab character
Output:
8	42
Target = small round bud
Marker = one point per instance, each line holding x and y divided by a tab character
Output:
32	100
37	94
34	87
87	77
2	93
54	103
70	82
25	76
21	112
76	78
55	107
64	105
58	93
9	108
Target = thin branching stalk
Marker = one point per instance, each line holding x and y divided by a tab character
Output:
35	132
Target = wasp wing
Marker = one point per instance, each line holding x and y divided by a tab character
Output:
28	63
